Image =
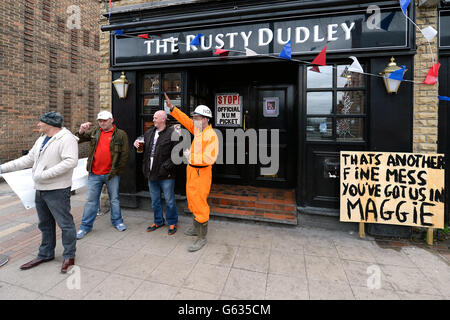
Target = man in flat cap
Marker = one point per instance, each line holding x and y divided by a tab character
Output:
53	158
108	157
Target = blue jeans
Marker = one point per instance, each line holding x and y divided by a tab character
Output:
95	185
167	187
54	206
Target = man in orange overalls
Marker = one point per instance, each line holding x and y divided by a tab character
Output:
202	155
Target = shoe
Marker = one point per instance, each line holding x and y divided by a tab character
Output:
172	229
34	263
121	227
81	233
66	264
153	227
190	231
202	230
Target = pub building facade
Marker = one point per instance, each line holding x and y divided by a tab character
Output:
316	115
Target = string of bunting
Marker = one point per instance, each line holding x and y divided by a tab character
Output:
429	33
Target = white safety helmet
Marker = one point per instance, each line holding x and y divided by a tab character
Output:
202	110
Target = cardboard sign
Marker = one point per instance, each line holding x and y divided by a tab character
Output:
228	110
392	188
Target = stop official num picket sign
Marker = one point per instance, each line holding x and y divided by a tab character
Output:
228	110
392	188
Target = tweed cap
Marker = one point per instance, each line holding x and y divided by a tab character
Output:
52	118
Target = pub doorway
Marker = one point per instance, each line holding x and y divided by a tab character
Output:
259	143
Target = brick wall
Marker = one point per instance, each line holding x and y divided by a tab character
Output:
425	96
44	65
106	77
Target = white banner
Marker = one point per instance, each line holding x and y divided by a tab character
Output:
22	183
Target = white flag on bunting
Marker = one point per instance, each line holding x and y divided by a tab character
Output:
250	53
429	33
356	66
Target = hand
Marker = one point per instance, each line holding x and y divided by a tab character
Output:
84	126
136	143
187	154
169	104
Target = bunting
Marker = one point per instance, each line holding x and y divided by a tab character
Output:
433	74
196	40
321	59
221	52
286	52
398	75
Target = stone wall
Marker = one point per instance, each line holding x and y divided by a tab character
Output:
425	96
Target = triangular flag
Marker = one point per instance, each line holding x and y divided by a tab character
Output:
404	4
432	74
429	33
196	40
321	59
143	36
222	52
286	52
398	75
250	53
315	69
386	22
110	9
118	32
444	98
356	66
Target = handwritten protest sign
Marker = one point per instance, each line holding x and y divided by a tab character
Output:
392	188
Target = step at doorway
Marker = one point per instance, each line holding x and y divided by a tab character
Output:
253	203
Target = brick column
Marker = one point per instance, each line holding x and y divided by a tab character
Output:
425	96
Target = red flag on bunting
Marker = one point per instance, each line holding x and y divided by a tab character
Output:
143	36
222	52
433	74
315	69
321	59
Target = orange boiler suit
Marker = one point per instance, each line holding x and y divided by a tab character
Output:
204	152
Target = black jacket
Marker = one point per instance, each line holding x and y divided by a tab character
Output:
163	167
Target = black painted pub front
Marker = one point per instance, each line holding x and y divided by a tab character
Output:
317	114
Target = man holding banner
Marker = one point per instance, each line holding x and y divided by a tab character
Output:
53	158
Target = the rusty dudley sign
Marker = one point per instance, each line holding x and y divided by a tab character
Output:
392	188
228	110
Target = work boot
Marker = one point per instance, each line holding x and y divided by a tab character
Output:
202	230
191	230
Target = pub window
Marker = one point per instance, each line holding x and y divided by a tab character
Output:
153	87
336	104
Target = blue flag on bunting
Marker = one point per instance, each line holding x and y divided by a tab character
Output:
196	40
118	32
444	98
286	52
404	4
398	75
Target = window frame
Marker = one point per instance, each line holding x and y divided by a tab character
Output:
144	117
334	116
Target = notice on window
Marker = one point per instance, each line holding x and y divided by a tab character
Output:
392	188
228	110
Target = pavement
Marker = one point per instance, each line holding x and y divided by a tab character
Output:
241	261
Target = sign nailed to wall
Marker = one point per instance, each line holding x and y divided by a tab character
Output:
228	110
392	188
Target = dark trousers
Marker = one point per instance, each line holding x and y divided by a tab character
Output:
51	206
